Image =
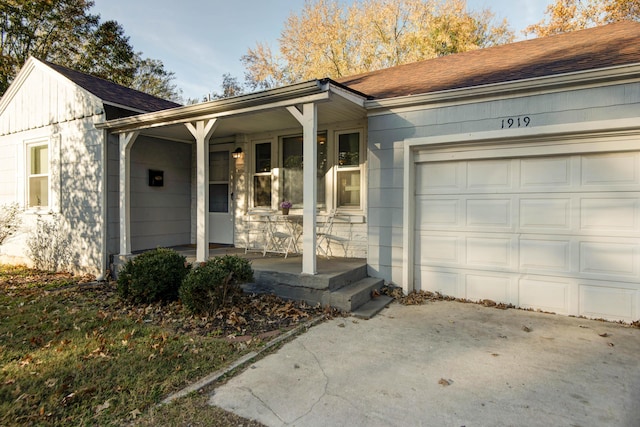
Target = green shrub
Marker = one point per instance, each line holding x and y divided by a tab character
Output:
215	284
152	276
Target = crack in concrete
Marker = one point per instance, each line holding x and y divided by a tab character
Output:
264	404
326	384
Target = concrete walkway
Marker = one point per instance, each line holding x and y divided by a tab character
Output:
446	364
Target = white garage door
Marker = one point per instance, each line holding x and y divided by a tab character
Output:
559	233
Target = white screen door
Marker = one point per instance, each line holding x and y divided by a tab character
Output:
220	198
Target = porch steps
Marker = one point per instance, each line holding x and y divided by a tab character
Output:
354	295
372	307
347	288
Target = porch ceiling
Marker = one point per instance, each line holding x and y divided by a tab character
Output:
334	110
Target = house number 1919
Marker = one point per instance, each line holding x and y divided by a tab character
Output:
516	122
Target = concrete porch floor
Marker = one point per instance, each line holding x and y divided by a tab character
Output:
276	262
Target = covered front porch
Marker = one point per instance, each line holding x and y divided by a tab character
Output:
303	142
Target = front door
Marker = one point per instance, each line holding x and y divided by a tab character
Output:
220	195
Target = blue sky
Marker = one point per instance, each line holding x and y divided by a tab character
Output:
200	40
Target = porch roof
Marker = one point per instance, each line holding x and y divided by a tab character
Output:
263	111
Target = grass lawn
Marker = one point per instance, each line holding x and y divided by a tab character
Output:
74	354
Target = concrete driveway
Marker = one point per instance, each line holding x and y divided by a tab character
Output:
446	364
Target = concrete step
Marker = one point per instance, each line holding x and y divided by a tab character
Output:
354	295
271	277
373	307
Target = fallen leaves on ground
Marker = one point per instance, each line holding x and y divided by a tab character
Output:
250	314
443	382
422	297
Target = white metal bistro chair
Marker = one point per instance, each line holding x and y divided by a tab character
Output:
257	237
278	241
327	236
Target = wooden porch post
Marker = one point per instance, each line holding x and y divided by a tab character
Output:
202	132
126	141
308	118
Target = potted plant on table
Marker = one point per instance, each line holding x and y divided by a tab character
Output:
285	206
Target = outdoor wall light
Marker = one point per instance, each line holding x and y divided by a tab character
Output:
156	178
237	153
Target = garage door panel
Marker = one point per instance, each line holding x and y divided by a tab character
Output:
489	213
446	283
617	261
611	169
603	301
544	294
441	249
490	175
602	214
445	177
546	213
488	286
438	213
489	252
545	172
545	255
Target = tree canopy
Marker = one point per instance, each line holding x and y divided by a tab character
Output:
570	15
66	33
329	39
151	77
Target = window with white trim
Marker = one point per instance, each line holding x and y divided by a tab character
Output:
37	175
278	171
262	175
292	179
348	170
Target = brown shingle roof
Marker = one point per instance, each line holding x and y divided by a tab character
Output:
601	47
114	93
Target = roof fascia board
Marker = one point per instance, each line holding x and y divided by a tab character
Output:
216	108
17	83
125	107
547	84
29	66
160	122
351	96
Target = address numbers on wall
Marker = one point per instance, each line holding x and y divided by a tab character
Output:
516	122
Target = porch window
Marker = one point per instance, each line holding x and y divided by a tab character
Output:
348	175
38	175
262	176
292	177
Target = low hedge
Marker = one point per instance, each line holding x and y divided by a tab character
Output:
152	276
214	284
